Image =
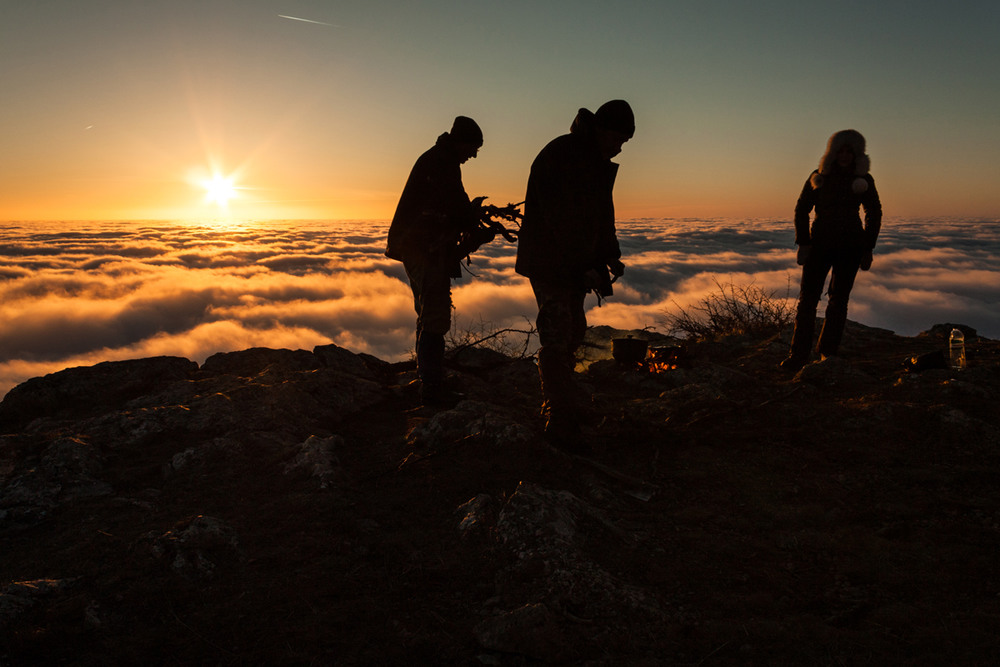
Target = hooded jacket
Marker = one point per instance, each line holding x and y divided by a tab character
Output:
836	194
433	209
569	214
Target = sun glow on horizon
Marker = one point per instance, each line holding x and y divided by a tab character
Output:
219	189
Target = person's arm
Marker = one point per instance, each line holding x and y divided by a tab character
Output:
803	207
873	213
873	222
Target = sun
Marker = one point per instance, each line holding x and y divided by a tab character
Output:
219	190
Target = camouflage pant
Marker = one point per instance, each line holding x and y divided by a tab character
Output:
561	325
430	281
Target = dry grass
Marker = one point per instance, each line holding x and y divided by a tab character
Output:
733	309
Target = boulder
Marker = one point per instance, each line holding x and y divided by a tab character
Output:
196	547
75	393
564	602
251	362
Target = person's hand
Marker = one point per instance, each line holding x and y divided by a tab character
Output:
485	235
591	279
802	255
866	260
474	239
617	268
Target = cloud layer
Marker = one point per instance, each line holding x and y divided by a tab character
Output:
77	294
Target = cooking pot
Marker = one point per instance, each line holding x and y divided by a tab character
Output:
629	351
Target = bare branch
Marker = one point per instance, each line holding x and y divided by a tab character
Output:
733	309
510	342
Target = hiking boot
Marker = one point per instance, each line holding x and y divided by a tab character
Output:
792	364
437	396
567	436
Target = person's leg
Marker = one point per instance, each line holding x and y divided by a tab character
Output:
578	319
845	270
431	288
560	323
814	274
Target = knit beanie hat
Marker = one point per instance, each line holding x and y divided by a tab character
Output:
465	130
616	115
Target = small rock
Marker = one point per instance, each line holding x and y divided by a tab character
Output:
531	630
318	457
196	547
477	516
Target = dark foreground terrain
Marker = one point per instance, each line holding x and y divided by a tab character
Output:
290	507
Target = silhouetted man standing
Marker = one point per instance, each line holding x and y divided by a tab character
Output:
568	246
432	215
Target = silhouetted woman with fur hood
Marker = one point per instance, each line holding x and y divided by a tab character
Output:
837	241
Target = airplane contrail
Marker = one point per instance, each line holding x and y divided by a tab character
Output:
296	18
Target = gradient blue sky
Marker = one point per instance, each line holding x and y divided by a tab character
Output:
117	109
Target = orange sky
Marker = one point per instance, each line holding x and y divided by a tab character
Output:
109	109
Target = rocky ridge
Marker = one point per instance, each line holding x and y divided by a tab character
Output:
297	507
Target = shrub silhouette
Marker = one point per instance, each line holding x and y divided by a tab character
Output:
733	309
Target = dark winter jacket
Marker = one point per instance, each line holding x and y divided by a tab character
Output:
837	223
433	209
569	214
836	194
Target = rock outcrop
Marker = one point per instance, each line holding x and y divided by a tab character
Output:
292	506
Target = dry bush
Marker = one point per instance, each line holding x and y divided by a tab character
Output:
511	342
733	309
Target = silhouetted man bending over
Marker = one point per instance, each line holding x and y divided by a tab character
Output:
568	246
432	215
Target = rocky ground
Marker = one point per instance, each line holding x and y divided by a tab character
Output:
294	507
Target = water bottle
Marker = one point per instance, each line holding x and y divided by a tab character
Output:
956	348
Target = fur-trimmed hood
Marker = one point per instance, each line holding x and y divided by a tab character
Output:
828	163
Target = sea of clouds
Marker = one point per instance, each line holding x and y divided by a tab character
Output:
74	294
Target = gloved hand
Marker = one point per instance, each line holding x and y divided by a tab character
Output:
803	254
591	279
484	235
475	238
866	260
